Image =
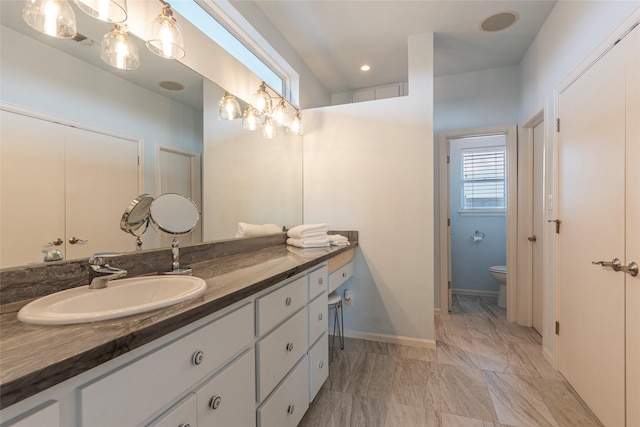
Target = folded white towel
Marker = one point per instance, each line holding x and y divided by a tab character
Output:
338	240
304	230
308	252
252	230
309	243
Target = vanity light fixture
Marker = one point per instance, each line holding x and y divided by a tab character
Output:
295	126
165	35
51	17
261	100
251	119
280	114
269	129
118	50
229	108
114	11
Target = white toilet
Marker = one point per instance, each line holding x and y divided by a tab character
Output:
499	272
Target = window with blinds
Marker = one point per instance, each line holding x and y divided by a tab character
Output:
483	179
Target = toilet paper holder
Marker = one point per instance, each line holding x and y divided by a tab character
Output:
479	235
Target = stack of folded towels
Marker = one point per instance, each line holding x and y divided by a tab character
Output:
314	236
253	230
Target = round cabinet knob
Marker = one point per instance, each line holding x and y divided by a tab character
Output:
320	281
290	346
321	364
198	357
320	316
215	402
288	301
291	409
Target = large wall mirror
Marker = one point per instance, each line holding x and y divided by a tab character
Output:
81	140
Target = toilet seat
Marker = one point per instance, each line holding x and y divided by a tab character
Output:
499	269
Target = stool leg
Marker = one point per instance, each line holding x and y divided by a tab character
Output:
333	337
341	325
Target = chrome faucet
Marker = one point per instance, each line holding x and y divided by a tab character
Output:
100	272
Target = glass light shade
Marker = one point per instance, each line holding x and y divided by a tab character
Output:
113	11
51	17
296	126
229	108
165	36
118	50
261	100
269	130
280	114
251	119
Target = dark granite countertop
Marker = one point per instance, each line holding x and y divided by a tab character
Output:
34	358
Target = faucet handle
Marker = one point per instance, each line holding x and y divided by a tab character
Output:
98	258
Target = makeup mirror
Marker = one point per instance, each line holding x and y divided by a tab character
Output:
135	219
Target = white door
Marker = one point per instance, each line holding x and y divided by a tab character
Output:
538	224
102	179
633	229
591	206
32	189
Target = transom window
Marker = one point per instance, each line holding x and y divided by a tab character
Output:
483	179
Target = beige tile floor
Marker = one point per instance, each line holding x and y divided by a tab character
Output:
485	371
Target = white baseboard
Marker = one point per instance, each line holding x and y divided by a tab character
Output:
549	356
393	339
436	311
474	292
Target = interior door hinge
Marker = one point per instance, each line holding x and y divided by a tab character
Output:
138	160
558	125
448	222
448	159
449	284
557	328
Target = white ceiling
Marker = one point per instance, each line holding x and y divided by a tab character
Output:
334	38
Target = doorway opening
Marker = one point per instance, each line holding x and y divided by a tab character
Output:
478	197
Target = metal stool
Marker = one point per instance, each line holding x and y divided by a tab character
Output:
335	302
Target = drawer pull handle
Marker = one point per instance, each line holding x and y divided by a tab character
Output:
288	301
321	364
320	281
215	402
344	275
198	357
320	316
290	346
291	409
185	425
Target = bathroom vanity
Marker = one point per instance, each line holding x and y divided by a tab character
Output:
251	351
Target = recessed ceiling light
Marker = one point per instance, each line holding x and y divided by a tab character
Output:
169	85
365	68
499	21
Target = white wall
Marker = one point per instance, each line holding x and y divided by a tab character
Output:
368	166
572	32
472	100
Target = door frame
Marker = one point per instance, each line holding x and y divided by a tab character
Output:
510	133
525	222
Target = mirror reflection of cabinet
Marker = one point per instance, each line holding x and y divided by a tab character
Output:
62	182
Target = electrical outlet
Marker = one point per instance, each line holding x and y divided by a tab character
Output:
348	298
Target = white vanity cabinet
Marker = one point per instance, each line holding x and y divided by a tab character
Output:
260	361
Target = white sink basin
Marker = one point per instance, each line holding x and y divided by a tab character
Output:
122	297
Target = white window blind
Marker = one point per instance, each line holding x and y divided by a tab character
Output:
483	178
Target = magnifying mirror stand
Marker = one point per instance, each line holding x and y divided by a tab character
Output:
138	243
175	254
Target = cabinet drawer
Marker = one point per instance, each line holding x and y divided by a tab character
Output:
318	318
181	414
279	351
273	308
318	365
48	416
129	395
289	402
231	393
318	282
340	276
